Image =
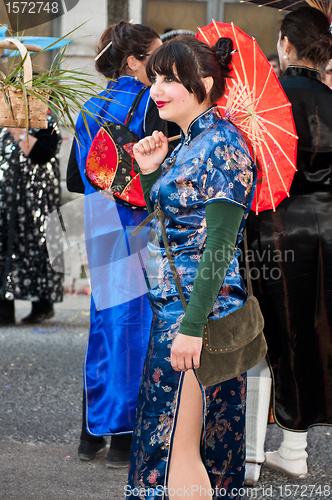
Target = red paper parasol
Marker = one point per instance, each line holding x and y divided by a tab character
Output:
256	104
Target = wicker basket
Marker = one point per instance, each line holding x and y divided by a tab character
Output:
14	114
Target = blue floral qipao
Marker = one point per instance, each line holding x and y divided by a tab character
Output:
212	163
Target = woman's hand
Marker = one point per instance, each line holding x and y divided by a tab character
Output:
150	152
186	352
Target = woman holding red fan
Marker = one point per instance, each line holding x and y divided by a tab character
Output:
118	333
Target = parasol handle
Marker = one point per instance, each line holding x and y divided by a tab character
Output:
174	138
11	43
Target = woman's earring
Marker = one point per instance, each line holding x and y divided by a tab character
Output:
135	77
285	56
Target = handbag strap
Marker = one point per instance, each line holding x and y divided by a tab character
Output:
159	214
134	106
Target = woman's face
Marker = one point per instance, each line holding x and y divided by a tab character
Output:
328	74
140	71
174	102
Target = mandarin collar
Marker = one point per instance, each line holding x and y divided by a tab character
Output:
113	81
200	123
302	71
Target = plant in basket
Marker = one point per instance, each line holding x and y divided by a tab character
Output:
25	97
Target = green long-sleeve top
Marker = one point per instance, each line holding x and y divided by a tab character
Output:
223	219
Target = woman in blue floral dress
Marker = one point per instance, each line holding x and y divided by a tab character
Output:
188	439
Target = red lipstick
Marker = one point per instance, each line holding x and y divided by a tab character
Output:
161	104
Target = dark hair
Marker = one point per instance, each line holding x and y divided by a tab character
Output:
168	35
187	60
308	30
127	40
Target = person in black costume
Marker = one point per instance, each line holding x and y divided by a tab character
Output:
296	297
29	191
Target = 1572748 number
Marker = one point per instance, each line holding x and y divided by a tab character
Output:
32	7
305	491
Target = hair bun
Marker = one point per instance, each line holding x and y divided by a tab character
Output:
223	51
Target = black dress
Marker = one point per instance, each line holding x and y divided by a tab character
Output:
291	250
29	191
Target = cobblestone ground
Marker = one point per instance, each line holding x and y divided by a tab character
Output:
40	417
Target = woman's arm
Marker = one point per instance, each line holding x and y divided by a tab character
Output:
40	147
153	123
147	182
223	220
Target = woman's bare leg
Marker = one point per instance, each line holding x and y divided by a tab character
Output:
188	477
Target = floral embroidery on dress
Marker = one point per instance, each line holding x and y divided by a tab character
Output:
245	178
195	174
204	179
156	376
154	474
173	209
209	165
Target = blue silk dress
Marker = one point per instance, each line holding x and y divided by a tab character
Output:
120	315
212	163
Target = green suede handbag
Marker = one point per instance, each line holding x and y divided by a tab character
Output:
232	344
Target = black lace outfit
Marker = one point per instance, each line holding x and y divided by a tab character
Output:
293	261
29	191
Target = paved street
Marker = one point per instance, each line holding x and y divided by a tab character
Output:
40	417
